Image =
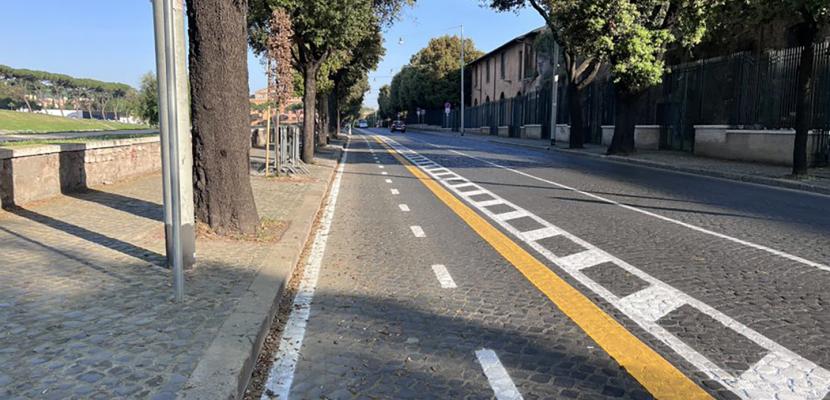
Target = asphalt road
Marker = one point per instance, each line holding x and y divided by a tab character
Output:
557	276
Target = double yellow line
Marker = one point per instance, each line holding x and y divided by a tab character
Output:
662	379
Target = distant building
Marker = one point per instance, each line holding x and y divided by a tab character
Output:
512	69
289	112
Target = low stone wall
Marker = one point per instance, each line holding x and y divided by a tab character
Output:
504	131
563	134
531	131
773	146
607	134
647	137
36	173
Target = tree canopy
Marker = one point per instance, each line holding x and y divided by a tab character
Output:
431	78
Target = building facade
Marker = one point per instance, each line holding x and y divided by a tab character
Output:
512	69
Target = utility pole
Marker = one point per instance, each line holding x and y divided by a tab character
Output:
174	124
461	123
554	91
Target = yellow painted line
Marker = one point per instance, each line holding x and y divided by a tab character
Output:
662	379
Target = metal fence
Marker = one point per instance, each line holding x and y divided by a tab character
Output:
754	90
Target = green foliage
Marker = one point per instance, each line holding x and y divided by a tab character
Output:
145	105
31	85
431	78
633	35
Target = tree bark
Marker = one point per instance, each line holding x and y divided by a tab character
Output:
806	35
220	111
323	132
309	114
577	138
624	121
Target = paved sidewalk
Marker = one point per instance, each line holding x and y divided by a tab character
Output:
86	311
774	175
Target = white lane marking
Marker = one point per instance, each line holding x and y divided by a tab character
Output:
497	376
539	234
770	250
403	207
653	302
384	173
582	260
394	191
417	231
380	166
487	203
510	215
444	277
814	381
281	374
388	181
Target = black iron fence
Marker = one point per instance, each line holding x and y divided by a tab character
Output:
744	89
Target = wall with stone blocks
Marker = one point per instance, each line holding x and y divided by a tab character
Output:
37	173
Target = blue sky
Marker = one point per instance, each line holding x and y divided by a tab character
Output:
112	40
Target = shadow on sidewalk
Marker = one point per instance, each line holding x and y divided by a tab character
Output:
141	208
90	236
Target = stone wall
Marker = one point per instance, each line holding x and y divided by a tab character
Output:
37	173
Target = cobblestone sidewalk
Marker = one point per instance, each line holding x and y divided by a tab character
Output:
85	309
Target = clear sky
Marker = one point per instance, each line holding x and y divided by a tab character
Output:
112	40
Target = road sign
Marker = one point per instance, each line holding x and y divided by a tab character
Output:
447	108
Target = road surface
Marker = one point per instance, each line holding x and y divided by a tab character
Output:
457	268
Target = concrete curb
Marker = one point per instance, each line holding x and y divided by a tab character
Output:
226	367
760	180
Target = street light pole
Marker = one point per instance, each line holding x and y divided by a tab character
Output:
461	123
174	123
554	91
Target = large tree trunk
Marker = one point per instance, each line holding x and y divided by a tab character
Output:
309	111
624	121
806	37
220	110
577	138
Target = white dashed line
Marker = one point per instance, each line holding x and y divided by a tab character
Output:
395	191
281	374
384	173
388	181
403	207
443	276
417	231
503	386
380	166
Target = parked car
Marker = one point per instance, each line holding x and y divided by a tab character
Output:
397	126
362	124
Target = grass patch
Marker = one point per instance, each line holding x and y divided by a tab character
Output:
43	142
32	123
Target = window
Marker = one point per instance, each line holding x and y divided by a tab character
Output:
530	64
487	71
520	65
501	66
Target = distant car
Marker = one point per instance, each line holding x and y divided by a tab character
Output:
397	126
362	124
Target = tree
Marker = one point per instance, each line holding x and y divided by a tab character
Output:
144	105
812	17
321	28
351	81
639	33
432	76
577	26
220	111
385	102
